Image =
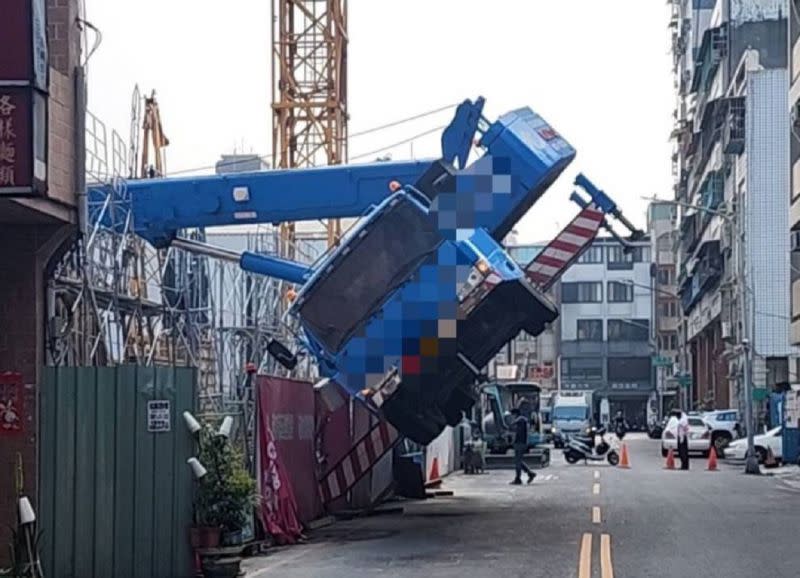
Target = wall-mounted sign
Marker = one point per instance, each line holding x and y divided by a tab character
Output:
159	418
628	386
704	313
23	98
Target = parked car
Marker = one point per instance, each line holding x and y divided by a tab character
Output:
699	437
725	427
773	440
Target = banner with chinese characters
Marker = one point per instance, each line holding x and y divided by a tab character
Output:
23	98
287	407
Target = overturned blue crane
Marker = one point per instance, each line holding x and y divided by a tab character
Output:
421	294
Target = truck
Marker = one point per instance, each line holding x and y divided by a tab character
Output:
570	414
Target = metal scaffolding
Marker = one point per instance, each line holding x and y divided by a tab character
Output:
309	90
113	299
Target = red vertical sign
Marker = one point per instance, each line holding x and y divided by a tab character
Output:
16	146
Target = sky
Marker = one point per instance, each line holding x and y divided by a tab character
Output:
598	72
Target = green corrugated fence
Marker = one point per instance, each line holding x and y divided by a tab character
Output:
115	499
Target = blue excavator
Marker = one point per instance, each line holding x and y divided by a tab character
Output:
420	294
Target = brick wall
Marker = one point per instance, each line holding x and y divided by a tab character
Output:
63	34
61	140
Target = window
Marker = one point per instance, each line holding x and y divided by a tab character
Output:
629	369
588	292
668	342
590	330
618	258
668	309
666	276
582	368
592	255
628	329
620	292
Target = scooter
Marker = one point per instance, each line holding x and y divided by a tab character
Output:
583	448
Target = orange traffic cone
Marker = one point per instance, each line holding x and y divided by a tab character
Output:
433	477
712	460
670	460
624	462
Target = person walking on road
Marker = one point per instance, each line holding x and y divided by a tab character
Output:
519	426
620	425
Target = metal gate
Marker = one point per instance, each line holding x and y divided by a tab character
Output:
115	493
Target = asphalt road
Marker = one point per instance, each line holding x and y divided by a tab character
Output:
573	521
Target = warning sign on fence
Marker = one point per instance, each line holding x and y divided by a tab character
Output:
158	415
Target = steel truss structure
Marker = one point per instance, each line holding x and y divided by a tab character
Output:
309	90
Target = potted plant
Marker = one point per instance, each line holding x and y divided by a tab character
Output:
225	491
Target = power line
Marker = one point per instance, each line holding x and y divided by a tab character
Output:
374	129
401	121
398	143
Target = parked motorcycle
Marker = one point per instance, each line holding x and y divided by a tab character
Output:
579	448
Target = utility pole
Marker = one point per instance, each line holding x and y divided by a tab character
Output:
751	465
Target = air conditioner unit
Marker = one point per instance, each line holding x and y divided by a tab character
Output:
726	330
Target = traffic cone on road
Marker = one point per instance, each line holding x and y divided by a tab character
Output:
624	462
670	460
712	460
434	479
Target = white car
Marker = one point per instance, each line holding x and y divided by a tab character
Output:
773	440
699	437
724	425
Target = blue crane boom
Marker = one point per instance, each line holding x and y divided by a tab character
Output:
164	206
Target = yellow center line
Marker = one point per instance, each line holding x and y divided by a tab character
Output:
596	489
596	515
606	568
585	563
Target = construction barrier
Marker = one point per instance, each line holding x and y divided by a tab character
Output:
288	405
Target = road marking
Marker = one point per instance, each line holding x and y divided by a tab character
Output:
585	562
596	489
596	515
597	474
606	568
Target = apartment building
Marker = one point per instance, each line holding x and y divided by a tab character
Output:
606	341
794	154
731	164
661	228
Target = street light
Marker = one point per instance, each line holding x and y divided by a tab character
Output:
751	465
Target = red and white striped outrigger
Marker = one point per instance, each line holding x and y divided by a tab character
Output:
566	248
